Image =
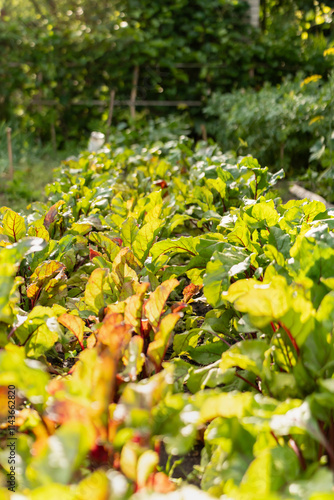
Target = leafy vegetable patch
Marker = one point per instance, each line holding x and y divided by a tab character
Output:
165	303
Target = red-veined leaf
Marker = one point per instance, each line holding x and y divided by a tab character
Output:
115	333
13	225
93	253
74	324
156	303
51	215
157	349
43	275
191	290
134	306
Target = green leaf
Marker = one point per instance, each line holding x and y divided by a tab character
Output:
97	484
312	209
318	486
134	307
218	185
13	225
208	376
270	471
230	451
38	229
124	272
129	231
80	228
185	341
27	375
61	456
10	258
274	301
261	215
247	355
226	405
240	234
274	255
263	302
221	268
107	245
297	420
179	245
39	331
177	220
207	353
145	238
94	296
129	460
176	421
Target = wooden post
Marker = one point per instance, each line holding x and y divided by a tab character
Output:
204	133
281	154
53	136
254	11
134	92
110	114
10	153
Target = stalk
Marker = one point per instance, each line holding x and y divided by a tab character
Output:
291	337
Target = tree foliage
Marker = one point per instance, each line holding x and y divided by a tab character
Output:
78	51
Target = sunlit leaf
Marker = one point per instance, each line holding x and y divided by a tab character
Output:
156	349
13	225
248	355
146	465
74	324
94	296
156	303
133	308
133	359
146	237
115	333
52	214
43	275
129	231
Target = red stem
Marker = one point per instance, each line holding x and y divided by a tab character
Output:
275	437
248	382
330	448
289	334
321	448
298	452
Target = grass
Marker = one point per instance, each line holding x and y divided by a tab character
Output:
33	169
27	185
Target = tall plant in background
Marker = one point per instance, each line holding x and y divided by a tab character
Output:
328	53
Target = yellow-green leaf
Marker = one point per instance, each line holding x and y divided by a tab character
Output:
13	225
156	303
156	350
146	465
94	290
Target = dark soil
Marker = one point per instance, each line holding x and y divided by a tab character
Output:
185	468
200	308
